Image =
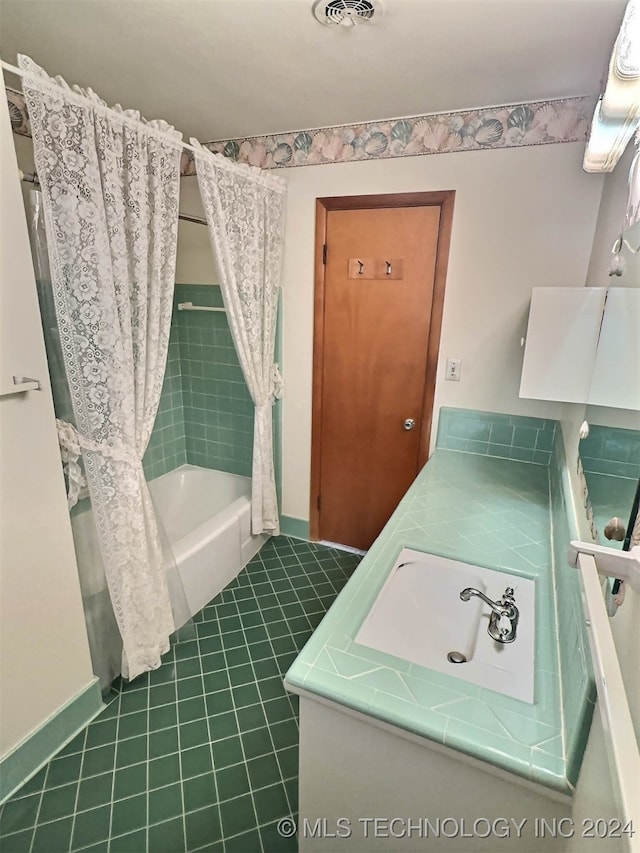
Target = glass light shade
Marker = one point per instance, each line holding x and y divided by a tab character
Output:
608	138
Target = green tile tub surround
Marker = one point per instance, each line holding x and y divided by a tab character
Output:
493	434
218	410
167	447
205	413
612	451
482	510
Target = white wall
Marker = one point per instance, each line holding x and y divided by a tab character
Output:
44	653
594	793
195	260
620	418
610	223
523	217
610	220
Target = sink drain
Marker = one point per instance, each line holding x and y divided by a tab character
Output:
456	657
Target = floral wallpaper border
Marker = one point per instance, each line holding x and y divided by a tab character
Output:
537	123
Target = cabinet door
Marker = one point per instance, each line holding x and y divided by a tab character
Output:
616	375
562	337
44	653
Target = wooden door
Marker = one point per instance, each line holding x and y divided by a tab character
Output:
375	407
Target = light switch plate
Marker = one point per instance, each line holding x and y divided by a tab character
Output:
454	368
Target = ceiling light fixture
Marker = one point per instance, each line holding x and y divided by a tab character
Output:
617	113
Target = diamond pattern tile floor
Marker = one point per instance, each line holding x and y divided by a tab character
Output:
201	754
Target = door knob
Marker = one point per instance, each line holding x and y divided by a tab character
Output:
409	424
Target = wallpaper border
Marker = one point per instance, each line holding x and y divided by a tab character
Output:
483	128
479	129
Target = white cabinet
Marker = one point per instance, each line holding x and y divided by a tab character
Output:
366	786
583	346
562	336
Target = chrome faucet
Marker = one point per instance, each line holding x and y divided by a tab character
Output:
504	614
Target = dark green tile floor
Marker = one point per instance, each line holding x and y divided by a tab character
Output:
201	754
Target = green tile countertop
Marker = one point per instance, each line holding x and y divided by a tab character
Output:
481	510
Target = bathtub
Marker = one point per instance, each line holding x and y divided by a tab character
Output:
206	515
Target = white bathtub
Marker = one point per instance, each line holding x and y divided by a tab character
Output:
207	518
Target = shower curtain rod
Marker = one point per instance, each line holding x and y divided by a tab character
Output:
29	76
32	178
278	183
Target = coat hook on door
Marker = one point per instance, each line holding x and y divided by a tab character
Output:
388	263
361	270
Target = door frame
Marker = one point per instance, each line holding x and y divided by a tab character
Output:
445	201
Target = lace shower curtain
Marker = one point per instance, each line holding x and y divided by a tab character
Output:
110	185
245	215
104	638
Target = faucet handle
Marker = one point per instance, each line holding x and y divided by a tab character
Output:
509	594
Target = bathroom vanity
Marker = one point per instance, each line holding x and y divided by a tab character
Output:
443	760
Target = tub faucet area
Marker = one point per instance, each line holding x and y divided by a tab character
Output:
504	614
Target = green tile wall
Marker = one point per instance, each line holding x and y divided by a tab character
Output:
167	447
205	414
611	451
492	434
576	673
218	410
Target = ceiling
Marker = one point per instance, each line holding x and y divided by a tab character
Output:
230	68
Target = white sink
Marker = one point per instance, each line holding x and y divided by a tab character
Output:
403	621
418	616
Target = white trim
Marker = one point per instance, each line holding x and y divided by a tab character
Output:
622	748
